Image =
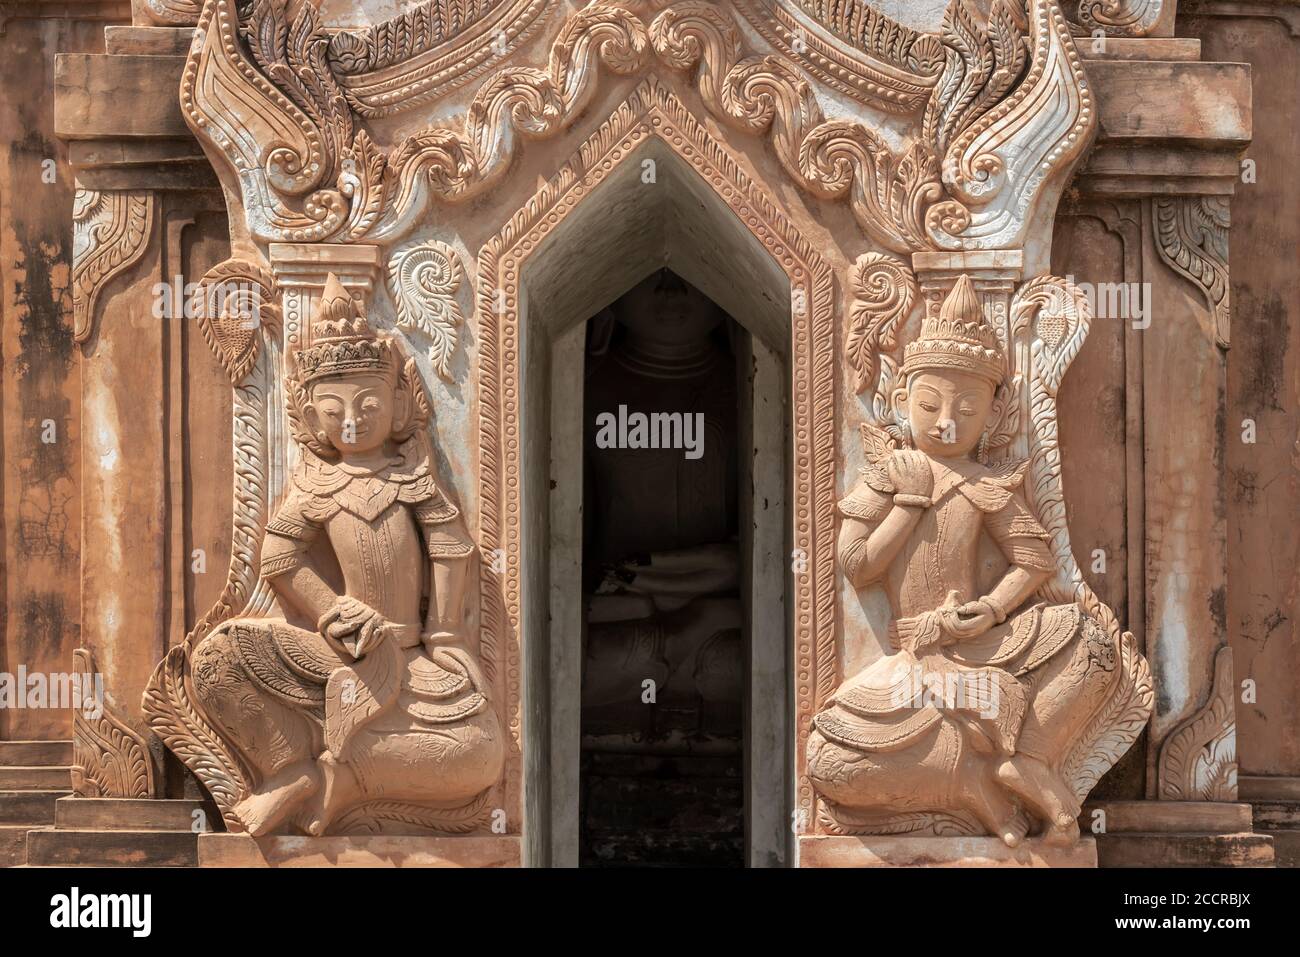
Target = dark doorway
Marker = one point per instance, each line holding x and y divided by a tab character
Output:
662	749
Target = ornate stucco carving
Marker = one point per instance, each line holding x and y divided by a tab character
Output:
1006	118
110	232
883	63
989	117
429	51
1191	233
1119	18
1003	700
1198	761
237	298
354	709
173	13
423	279
883	291
109	759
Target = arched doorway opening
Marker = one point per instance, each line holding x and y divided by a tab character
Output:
662	195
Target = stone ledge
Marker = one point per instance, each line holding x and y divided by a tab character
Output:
1185	850
1205	104
88	87
891	851
1182	817
240	850
1252	787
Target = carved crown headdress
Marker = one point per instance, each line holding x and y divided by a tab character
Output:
960	338
342	342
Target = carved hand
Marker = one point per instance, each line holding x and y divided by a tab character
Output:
969	620
909	471
354	625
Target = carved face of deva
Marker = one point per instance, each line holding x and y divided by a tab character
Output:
355	415
948	411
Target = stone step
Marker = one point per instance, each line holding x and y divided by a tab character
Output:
13	844
48	847
1277	815
32	808
134	814
1286	848
1184	850
30	753
1177	817
35	778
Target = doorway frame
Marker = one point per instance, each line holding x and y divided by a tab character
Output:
513	606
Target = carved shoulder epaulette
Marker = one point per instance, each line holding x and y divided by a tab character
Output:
993	491
433	508
871	499
301	514
417	490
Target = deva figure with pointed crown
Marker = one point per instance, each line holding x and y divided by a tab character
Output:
363	708
997	709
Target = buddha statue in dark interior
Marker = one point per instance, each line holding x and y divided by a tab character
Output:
660	558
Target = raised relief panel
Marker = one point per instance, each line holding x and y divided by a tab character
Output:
1009	688
338	688
361	709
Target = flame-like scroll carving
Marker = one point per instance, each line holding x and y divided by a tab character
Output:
173	13
237	297
883	291
109	758
1191	233
110	230
1120	18
1198	761
423	279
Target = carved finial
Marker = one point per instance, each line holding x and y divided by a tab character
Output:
342	342
960	338
962	304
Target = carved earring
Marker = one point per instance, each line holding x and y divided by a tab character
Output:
983	452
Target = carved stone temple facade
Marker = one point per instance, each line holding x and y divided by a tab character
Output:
553	433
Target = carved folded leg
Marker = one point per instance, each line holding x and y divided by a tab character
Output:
938	777
270	730
277	797
1068	689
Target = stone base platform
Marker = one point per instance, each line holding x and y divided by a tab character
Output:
891	851
240	850
1177	834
